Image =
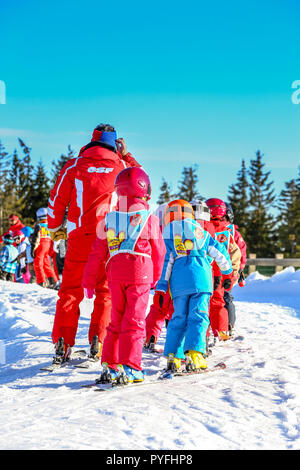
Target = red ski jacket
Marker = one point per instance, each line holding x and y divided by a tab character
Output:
13	228
86	186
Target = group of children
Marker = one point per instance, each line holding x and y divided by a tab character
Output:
29	255
190	253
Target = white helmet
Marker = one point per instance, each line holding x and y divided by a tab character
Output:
160	213
201	209
41	213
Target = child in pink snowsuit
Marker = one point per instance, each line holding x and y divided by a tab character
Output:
131	241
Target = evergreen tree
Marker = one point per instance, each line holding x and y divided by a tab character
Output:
60	163
40	188
25	173
165	193
289	218
261	237
187	189
4	172
238	198
14	201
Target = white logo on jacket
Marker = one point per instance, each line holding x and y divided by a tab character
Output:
93	169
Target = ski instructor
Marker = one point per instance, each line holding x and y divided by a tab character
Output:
85	186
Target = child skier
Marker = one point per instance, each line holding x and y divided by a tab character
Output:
162	309
228	298
135	250
41	244
218	312
187	272
8	258
21	243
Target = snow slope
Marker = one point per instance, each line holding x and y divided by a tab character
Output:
253	404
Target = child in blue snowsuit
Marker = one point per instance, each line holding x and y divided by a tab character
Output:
187	272
8	259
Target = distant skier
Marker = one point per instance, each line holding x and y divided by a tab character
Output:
187	272
21	243
16	224
8	258
135	250
41	244
60	250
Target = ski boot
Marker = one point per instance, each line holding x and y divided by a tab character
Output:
230	330
32	273
220	336
208	351
223	335
150	343
51	283
96	349
194	360
113	376
133	375
173	363
62	352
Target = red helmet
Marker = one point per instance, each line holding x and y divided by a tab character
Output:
18	234
217	207
133	182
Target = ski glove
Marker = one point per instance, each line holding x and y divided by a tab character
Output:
88	293
226	283
242	276
158	299
60	234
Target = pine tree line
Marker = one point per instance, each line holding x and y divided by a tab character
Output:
24	187
270	224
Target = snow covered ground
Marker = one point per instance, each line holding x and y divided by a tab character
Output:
253	404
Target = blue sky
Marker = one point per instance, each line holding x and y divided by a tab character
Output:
205	83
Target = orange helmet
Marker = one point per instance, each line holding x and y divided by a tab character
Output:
178	210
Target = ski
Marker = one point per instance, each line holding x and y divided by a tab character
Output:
164	377
87	363
154	350
184	373
75	356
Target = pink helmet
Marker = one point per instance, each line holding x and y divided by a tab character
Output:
217	207
133	182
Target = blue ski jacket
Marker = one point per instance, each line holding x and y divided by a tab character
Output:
8	258
187	265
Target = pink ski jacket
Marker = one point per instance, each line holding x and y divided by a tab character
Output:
140	265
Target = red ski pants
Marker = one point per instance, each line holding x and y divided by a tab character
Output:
71	294
41	263
157	315
218	313
126	331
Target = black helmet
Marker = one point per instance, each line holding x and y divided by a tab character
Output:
8	239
